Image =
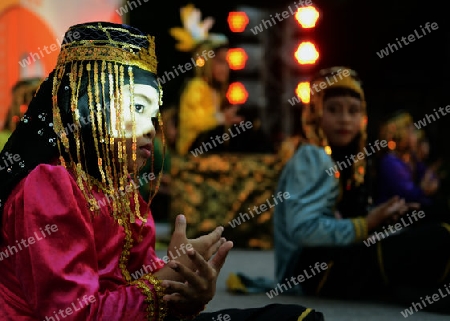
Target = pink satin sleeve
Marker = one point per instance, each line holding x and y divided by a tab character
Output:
59	271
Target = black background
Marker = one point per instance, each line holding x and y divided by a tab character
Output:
349	33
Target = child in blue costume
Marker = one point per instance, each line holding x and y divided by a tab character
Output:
327	240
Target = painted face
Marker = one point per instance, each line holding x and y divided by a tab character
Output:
144	110
341	119
220	68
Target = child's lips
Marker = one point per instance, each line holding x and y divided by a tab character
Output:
146	150
343	132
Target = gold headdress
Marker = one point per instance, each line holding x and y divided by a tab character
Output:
335	77
100	58
70	120
396	129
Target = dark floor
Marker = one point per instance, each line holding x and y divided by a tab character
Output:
260	263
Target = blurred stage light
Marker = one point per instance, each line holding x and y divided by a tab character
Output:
307	17
237	58
306	53
303	91
237	21
237	93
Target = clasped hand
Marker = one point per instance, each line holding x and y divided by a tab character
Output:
196	271
391	210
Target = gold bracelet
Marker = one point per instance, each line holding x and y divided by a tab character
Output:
361	228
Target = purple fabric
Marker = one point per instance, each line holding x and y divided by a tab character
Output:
396	178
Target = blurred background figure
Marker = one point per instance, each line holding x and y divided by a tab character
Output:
202	102
22	93
161	161
402	169
400	172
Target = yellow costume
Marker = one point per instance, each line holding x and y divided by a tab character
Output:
200	102
4	136
199	107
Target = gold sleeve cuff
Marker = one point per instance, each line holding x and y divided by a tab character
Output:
154	296
361	228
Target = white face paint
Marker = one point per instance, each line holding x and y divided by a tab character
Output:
145	107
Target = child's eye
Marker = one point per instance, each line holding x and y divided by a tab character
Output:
139	108
354	110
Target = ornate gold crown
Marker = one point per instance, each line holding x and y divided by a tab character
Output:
126	50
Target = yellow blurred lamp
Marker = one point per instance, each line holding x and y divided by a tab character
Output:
307	17
303	91
237	21
237	58
306	53
237	94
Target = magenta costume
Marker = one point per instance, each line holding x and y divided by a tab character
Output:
77	241
78	259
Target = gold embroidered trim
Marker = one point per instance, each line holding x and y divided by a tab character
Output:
162	305
304	314
106	29
149	299
446	226
361	228
124	256
144	59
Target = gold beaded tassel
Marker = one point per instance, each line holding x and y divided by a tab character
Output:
118	105
115	176
81	151
133	138
75	83
91	107
137	210
124	174
96	118
58	127
112	148
123	203
105	137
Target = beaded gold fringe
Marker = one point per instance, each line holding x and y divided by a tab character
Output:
115	178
